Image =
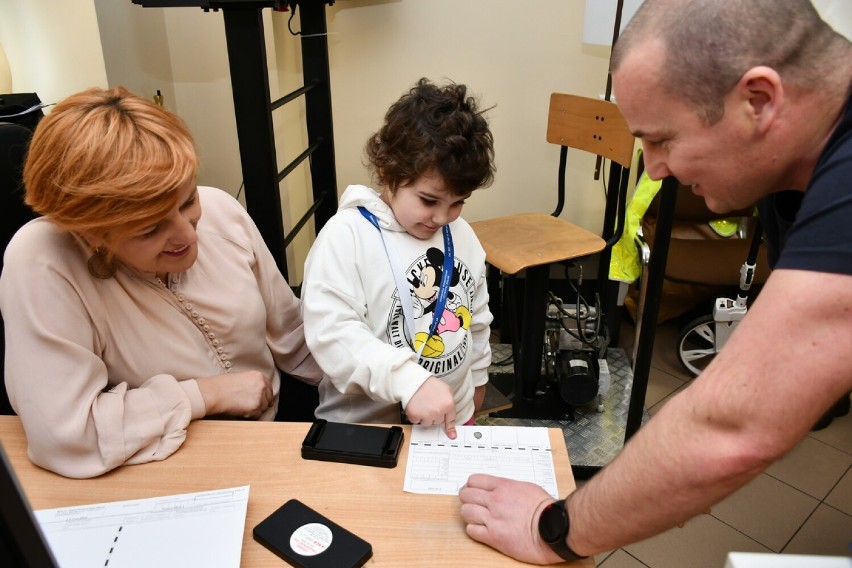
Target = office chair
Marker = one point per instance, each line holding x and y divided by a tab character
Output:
13	145
532	242
297	400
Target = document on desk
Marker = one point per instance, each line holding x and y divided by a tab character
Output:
441	466
191	529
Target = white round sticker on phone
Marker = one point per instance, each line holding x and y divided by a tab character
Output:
311	539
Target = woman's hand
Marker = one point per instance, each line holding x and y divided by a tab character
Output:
246	395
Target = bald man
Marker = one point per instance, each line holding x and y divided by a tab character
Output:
747	102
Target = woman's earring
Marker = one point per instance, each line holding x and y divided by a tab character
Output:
99	266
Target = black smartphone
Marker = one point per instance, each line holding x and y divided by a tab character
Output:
353	443
306	539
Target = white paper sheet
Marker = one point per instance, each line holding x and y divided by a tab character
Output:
192	529
438	465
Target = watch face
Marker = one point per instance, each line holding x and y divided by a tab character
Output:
553	523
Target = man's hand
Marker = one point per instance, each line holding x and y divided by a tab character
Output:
503	514
433	403
246	395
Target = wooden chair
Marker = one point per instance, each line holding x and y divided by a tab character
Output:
532	242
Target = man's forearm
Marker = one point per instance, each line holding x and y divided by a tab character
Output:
751	405
660	480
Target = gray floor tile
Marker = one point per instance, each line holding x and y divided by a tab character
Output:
652	410
767	510
660	385
812	466
665	350
841	496
827	532
838	434
704	542
619	559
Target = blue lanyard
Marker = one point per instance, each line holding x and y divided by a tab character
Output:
446	275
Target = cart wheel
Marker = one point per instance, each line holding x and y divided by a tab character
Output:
696	344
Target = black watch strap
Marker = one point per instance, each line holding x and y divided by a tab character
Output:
553	525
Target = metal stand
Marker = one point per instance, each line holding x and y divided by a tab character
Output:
646	327
594	438
252	108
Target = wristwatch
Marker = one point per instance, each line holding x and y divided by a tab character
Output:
553	527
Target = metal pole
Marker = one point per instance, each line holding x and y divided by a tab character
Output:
253	112
647	326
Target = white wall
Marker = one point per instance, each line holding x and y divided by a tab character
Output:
838	13
511	54
5	73
182	53
53	48
202	84
136	49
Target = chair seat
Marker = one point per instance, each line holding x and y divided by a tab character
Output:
515	242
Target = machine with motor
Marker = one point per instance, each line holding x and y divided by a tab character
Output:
575	352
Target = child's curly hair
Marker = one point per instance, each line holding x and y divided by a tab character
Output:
433	129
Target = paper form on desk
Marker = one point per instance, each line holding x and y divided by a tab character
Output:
192	529
441	466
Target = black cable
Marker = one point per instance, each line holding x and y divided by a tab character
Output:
580	320
293	6
585	336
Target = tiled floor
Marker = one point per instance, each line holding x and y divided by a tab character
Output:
801	505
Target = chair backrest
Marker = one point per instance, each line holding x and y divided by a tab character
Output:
593	125
598	127
13	144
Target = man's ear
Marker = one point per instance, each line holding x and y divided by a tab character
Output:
761	90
